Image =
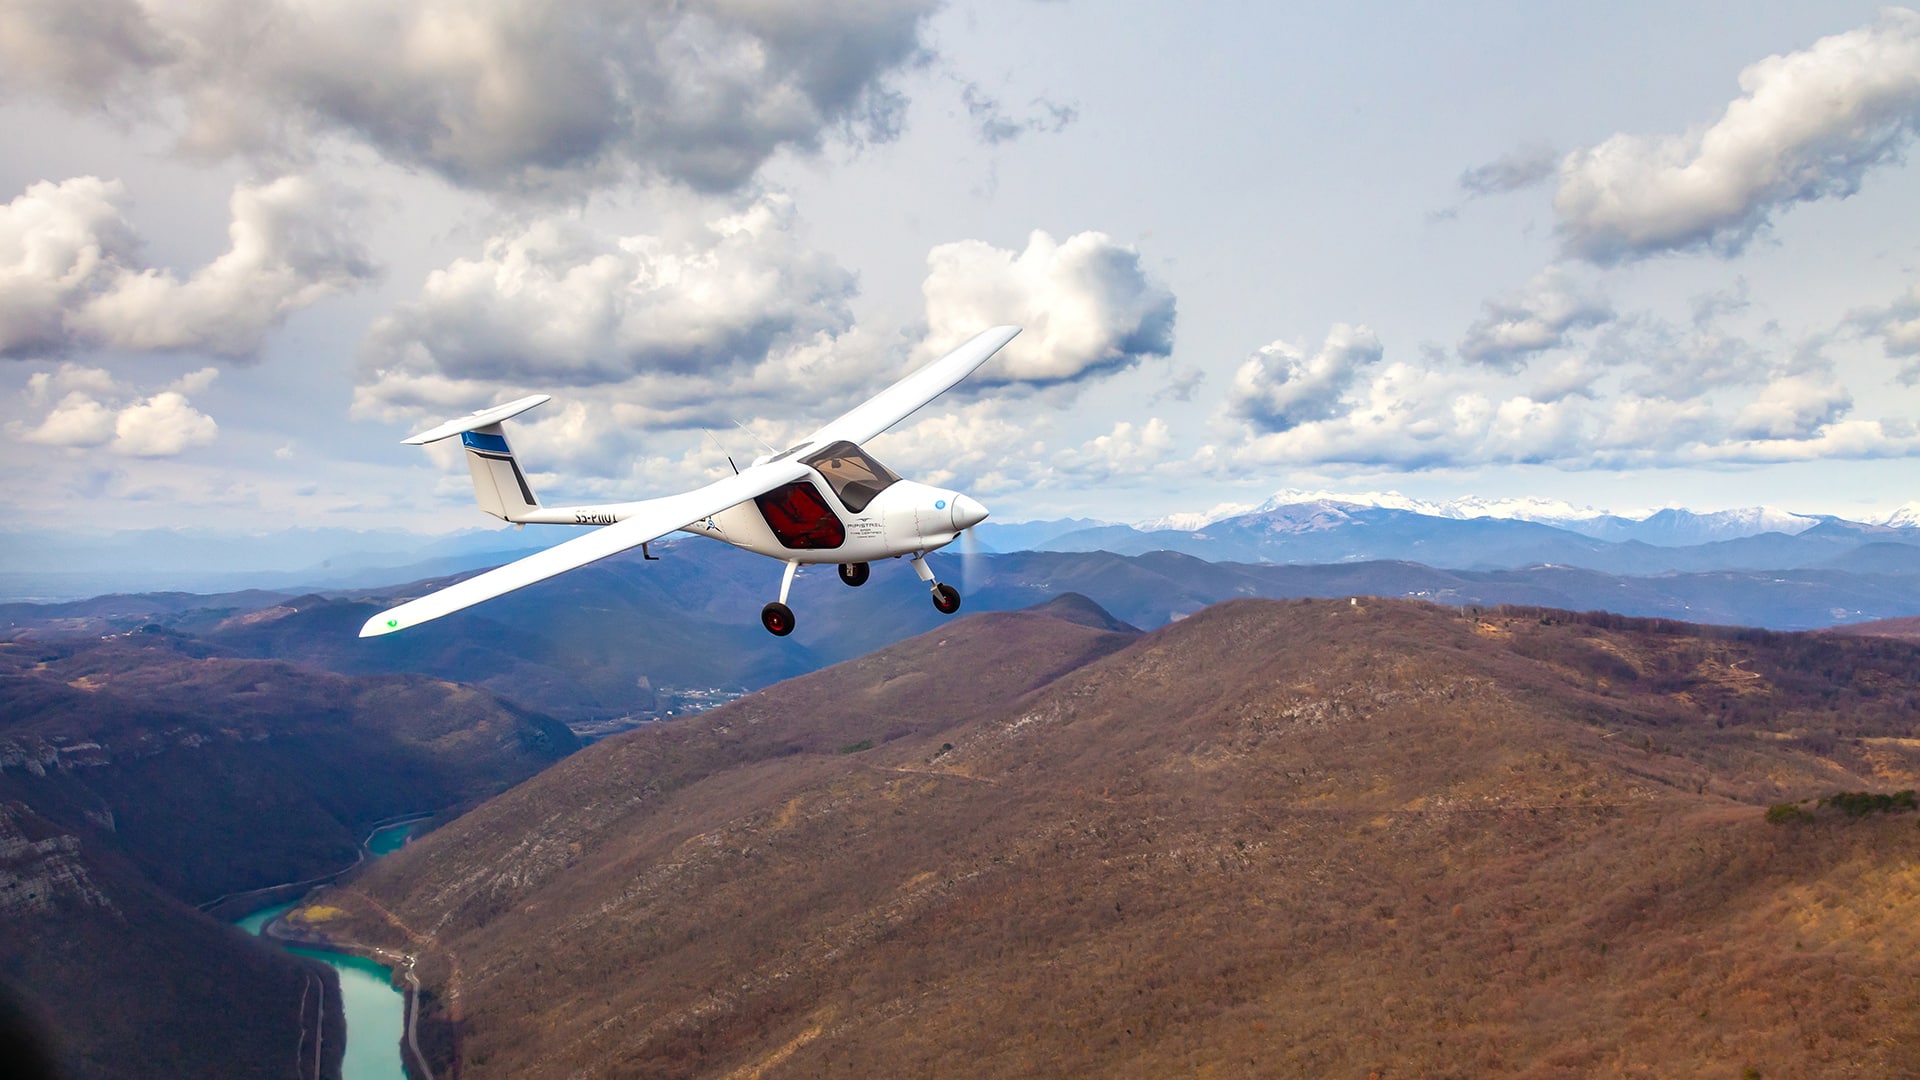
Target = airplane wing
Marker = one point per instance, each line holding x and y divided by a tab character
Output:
652	519
902	399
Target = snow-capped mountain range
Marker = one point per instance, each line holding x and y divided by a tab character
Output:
1669	526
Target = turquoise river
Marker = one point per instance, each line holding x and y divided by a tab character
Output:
376	1012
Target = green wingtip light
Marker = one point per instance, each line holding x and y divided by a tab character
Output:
391	623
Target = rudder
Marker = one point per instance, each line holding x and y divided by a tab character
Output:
498	484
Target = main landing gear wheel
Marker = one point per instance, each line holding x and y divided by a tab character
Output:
854	574
778	618
946	598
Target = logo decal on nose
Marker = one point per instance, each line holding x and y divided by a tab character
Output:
939	504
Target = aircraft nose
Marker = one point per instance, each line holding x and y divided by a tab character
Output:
967	513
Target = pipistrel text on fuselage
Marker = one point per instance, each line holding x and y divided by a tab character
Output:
824	499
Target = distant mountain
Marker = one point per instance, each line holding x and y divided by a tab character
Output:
1287	838
1906	517
1027	535
1329	530
59	565
1472	533
1682	528
621	637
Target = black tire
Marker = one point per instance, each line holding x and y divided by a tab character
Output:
855	574
777	618
946	598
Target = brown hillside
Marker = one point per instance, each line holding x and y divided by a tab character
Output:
1277	838
1906	629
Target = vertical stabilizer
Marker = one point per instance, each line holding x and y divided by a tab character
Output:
497	480
498	483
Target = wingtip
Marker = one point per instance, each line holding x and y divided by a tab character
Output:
379	624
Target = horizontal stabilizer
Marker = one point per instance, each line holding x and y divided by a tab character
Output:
480	419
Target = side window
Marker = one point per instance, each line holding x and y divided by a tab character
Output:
800	518
853	474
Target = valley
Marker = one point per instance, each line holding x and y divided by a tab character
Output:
146	776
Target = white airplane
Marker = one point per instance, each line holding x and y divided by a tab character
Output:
821	500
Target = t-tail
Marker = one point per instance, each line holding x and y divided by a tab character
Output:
499	485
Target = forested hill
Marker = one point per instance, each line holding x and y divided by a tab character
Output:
1304	837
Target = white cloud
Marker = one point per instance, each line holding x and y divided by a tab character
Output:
1659	359
58	244
1537	318
94	411
1794	407
1087	306
736	319
1280	387
1409	417
77	421
1809	125
496	94
69	275
984	446
1125	452
162	426
662	322
89	53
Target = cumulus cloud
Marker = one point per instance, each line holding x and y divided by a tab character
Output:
1523	168
70	273
1809	125
1280	387
161	426
1128	450
736	319
93	410
553	304
1647	395
88	53
1794	407
982	444
1537	318
1087	304
493	95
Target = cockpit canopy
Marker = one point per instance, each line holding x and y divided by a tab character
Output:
853	474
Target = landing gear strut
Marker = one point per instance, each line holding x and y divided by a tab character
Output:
946	598
854	574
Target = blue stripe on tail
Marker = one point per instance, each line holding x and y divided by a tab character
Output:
474	440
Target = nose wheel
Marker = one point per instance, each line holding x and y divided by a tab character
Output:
778	618
855	574
946	598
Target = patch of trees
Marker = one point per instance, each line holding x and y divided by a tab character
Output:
1854	804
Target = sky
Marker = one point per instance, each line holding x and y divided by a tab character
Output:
1625	256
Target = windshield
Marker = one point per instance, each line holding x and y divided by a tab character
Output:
853	474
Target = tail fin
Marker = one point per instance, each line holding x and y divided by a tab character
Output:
498	484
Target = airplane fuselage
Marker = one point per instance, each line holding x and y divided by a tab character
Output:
810	521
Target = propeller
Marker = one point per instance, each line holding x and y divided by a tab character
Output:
973	563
